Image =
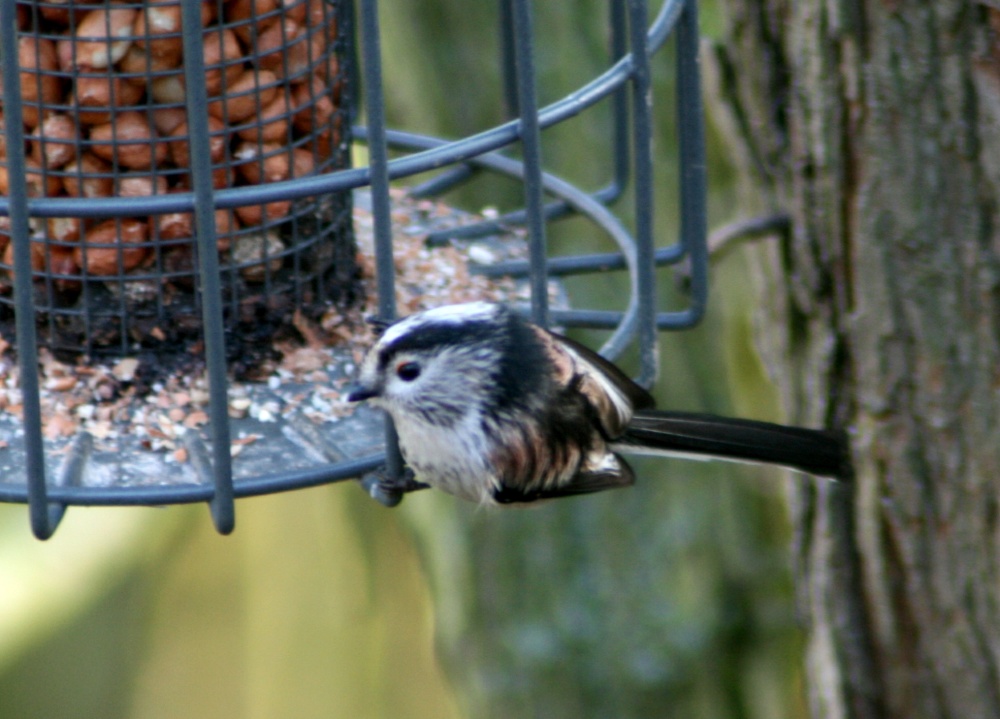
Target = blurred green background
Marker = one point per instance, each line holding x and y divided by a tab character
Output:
672	599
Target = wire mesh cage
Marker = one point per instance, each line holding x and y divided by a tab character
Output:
102	93
295	204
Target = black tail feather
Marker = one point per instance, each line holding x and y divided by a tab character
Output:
822	453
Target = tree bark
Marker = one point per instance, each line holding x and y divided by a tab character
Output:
876	126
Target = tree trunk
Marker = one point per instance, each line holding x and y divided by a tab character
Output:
876	126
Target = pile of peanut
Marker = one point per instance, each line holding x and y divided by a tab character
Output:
103	97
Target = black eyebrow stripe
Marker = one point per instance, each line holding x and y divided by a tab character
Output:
434	336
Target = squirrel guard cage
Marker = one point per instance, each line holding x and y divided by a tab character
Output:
175	182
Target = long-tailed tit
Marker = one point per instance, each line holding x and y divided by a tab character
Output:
494	409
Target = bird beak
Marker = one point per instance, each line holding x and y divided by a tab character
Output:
360	392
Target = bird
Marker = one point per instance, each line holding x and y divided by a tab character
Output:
494	409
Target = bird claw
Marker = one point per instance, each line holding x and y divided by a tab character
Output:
389	491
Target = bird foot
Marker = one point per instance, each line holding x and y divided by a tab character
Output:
389	491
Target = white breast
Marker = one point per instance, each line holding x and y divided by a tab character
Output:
452	459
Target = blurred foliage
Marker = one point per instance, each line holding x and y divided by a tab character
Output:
315	607
669	599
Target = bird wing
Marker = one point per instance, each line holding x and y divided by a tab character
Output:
584	482
609	390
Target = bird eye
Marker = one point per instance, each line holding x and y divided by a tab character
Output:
408	371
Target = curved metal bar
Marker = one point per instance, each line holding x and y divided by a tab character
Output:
578	264
620	156
43	516
580	201
190	494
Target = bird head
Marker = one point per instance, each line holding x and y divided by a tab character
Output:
439	363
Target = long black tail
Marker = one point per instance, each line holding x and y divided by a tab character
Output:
819	452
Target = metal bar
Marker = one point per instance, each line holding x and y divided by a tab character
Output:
442	182
222	505
192	493
346	12
694	172
580	201
578	264
642	142
619	107
531	143
550	211
691	133
378	162
43	518
378	159
508	59
73	466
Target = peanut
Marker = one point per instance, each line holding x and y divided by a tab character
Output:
112	246
266	163
249	92
87	176
160	22
129	141
223	59
38	61
54	142
271	125
97	97
104	36
65	229
180	151
253	215
313	105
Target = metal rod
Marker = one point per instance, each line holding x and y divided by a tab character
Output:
619	107
443	182
531	143
378	163
694	169
578	264
191	493
43	518
222	505
624	327
508	59
642	143
74	464
551	211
